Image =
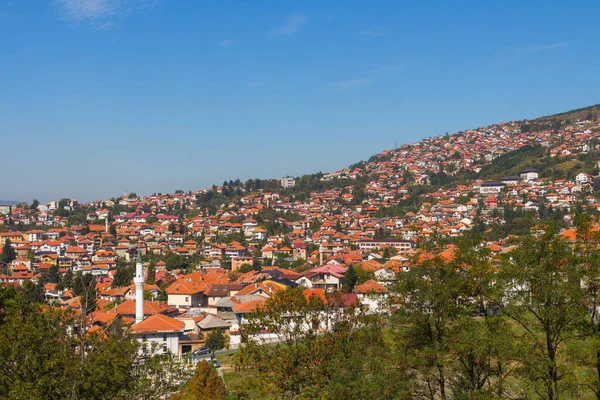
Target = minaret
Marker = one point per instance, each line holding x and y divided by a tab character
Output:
139	288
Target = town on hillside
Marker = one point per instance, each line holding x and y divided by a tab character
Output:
175	267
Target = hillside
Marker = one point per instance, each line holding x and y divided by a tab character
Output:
436	182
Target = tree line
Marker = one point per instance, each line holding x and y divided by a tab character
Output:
474	326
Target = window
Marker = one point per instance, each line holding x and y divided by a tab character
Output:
164	337
164	347
186	299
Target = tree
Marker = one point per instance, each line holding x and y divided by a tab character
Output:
245	268
67	281
112	230
54	273
430	296
546	302
151	274
175	261
323	351
215	340
38	357
586	351
84	286
9	254
123	276
33	292
34	204
205	384
350	279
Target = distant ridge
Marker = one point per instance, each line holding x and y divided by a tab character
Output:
10	202
578	113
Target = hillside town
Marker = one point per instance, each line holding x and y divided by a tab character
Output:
174	267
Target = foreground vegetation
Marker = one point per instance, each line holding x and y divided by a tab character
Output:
470	327
466	326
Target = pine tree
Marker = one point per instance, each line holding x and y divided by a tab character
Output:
54	273
151	279
9	254
67	281
350	279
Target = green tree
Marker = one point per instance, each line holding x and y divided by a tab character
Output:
546	302
33	292
586	351
215	340
430	295
84	286
123	276
38	358
151	274
350	279
340	354
205	384
54	273
67	280
9	254
175	261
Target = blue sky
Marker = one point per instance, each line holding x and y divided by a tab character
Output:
98	97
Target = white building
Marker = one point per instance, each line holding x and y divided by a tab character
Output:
158	334
288	182
400	245
530	174
583	178
491	187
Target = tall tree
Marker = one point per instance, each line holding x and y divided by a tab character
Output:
54	273
9	254
586	351
544	299
123	276
350	279
205	384
151	279
84	286
215	340
431	295
325	351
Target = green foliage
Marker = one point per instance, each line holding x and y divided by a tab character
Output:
54	273
348	361
548	306
350	279
9	254
215	340
175	261
84	285
40	358
151	279
123	276
205	384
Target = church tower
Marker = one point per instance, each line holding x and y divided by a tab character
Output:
139	288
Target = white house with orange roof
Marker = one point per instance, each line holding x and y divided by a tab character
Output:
158	334
186	293
372	294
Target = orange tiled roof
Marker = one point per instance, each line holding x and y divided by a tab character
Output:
158	323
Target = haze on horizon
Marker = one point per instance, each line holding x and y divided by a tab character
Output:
100	97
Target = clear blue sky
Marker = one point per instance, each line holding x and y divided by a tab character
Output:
98	97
